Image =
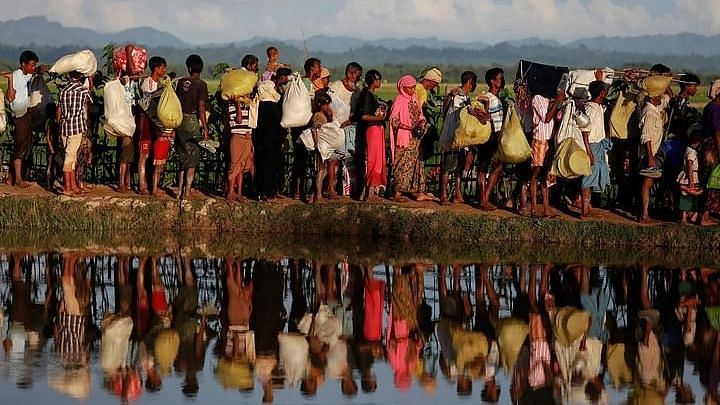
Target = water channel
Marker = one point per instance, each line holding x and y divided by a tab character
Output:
174	328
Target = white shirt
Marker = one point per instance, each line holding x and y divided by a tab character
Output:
597	122
21	84
342	98
652	126
338	89
148	86
689	172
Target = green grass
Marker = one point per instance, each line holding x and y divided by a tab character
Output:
352	229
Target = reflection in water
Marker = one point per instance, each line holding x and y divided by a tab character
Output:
539	333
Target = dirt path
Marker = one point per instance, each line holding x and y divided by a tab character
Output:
103	191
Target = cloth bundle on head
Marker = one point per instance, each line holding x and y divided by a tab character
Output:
434	75
401	111
268	92
656	86
714	90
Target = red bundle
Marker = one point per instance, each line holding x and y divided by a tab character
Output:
139	59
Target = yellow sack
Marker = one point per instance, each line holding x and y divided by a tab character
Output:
514	147
169	110
237	83
570	161
620	116
470	130
655	86
166	346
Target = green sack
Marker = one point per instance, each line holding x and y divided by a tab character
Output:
237	83
514	147
169	110
714	181
470	130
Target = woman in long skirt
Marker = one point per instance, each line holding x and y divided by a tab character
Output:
371	116
407	125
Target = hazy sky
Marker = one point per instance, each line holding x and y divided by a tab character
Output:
203	21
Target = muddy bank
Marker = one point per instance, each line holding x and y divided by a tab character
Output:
215	228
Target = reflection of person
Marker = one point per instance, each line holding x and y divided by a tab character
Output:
650	376
267	320
236	311
402	338
191	355
486	318
70	329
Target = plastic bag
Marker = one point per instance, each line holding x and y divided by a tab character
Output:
297	106
115	343
237	83
119	120
294	352
169	110
331	139
3	116
120	60
39	93
83	62
620	116
470	130
580	82
568	128
514	147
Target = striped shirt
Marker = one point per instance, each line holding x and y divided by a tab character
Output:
496	112
73	102
542	131
539	361
70	337
242	128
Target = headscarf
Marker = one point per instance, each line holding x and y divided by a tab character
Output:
434	75
401	111
714	89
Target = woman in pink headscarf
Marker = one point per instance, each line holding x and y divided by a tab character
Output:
407	126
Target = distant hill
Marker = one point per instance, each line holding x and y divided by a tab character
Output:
52	40
678	44
325	43
40	31
375	57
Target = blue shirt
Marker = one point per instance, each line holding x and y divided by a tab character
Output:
21	84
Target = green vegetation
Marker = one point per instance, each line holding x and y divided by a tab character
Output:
350	229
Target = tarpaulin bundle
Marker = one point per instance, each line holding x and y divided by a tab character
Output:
541	79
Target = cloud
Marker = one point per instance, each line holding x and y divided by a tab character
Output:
202	21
